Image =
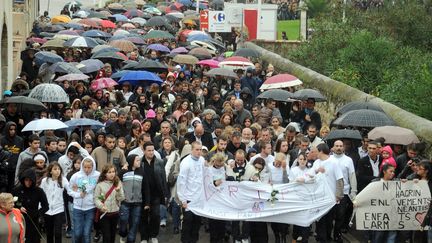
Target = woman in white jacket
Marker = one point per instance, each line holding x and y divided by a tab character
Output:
53	185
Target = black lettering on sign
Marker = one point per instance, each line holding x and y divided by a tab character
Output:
385	186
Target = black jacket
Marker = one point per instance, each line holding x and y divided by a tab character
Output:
364	172
206	139
155	174
119	130
14	145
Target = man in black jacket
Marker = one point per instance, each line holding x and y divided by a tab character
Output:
121	127
13	144
368	166
200	135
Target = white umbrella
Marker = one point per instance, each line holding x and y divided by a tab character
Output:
50	93
44	124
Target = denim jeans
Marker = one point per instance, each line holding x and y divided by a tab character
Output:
129	214
175	213
70	207
163	212
83	222
384	236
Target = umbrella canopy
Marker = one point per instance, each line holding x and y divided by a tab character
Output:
200	53
281	81
94	14
84	122
72	77
138	20
364	118
105	48
103	83
72	4
236	62
133	13
89	22
179	50
174	16
119	74
305	94
121	32
47	56
136	40
225	72
54	43
209	62
344	133
394	135
52	28
128	26
153	10
140	77
44	124
64	67
185	59
246	52
81	42
151	66
24	103
36	40
123	45
96	34
158	47
75	26
110	55
157	21
107	24
60	19
130	64
158	34
90	65
357	105
120	18
276	94
49	93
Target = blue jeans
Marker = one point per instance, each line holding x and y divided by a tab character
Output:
384	236
163	212
83	222
175	213
129	214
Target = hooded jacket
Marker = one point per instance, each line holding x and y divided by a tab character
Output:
66	163
135	184
14	145
26	154
54	194
84	183
390	160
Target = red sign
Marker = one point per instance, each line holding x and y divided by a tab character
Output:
251	22
204	23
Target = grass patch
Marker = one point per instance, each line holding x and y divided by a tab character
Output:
292	28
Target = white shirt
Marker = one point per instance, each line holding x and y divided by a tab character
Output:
346	164
54	194
298	172
277	174
190	179
317	140
138	151
332	171
375	166
265	173
362	153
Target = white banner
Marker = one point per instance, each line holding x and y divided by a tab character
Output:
392	205
294	203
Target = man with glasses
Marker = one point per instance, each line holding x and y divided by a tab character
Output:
368	167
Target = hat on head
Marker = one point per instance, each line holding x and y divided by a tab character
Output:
195	121
150	114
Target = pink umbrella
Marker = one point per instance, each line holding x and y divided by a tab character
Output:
72	76
236	62
209	62
281	81
36	40
103	83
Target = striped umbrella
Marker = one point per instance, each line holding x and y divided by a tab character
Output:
281	81
81	42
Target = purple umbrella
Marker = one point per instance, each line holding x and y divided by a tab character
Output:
135	40
158	47
179	50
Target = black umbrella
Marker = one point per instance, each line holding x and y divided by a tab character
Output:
129	65
344	133
151	66
157	21
24	103
276	94
246	52
305	94
225	72
64	67
364	118
357	105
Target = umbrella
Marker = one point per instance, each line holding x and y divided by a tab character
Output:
119	74
107	24
136	40
103	83
157	21
46	56
136	77
200	53
209	62
179	50
247	52
84	122
344	133
36	40
174	16
129	65
121	32
72	77
89	22
64	67
54	43
74	26
153	10
276	94
81	14
158	47
281	81
186	2
72	4
305	94
364	118
133	13
185	59
357	105
123	45
99	15
60	19
110	55
49	93
236	62
128	26
152	66
158	34
90	65
138	20
222	72
24	103
81	42
394	135
96	34
44	124
120	18
105	48
53	28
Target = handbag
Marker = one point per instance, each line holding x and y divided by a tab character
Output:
98	212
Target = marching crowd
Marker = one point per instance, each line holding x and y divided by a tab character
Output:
146	164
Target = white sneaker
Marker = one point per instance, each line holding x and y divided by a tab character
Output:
238	241
245	241
143	241
122	239
163	223
154	240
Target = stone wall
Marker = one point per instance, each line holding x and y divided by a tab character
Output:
278	46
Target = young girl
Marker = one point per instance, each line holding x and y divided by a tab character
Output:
53	185
83	184
40	162
107	196
387	155
301	174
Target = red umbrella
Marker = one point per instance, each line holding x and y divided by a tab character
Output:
103	83
281	81
108	24
36	40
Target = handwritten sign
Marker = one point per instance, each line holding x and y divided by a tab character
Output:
294	203
392	205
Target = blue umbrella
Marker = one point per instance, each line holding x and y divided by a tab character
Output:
186	2
158	47
198	38
91	65
84	122
96	34
47	56
120	74
118	37
74	26
120	17
140	77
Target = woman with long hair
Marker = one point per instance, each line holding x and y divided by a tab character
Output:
182	108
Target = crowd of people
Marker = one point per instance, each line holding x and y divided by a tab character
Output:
141	170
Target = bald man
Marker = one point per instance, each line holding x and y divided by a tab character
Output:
200	135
